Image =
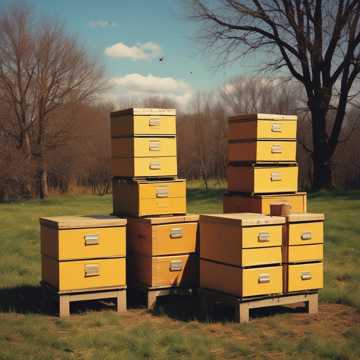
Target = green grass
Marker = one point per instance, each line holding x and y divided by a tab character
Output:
174	330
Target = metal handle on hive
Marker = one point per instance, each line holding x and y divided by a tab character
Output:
264	278
154	122
306	275
92	239
92	270
306	235
176	265
264	237
176	233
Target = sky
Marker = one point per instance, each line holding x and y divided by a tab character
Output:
130	36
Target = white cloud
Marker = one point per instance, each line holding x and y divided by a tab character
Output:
146	51
102	23
145	86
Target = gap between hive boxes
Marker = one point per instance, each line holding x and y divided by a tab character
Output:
208	298
152	293
64	298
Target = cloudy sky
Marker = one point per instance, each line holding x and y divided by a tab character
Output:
130	36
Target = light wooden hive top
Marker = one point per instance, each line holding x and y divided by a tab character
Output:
86	221
145	111
166	219
243	219
259	116
302	217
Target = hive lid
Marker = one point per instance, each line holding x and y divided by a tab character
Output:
78	222
144	111
144	181
258	116
157	220
243	219
300	217
264	196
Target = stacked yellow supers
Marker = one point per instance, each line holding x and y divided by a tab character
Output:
161	238
83	258
303	252
241	254
262	164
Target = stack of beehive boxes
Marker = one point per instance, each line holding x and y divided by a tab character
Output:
241	254
262	164
161	238
83	254
260	254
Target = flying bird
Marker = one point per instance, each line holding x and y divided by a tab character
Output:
161	59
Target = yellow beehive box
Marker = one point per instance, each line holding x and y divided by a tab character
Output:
147	198
263	179
143	147
262	151
163	271
234	202
239	281
83	274
262	126
143	121
83	237
144	166
244	239
156	236
303	237
301	277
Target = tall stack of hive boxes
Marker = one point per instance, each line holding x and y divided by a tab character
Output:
161	238
260	254
262	164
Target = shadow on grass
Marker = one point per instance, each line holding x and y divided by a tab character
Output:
28	299
21	299
187	308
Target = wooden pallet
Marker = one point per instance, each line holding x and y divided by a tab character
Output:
64	298
208	298
152	293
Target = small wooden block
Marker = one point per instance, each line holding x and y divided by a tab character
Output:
64	306
312	304
121	304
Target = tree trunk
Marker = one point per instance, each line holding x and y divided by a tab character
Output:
322	172
42	180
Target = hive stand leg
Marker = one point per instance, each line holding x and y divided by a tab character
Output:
151	299
242	313
312	304
64	305
121	301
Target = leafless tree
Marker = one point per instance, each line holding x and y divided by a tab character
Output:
316	41
42	71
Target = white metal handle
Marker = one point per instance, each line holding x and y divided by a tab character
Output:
264	237
275	127
162	192
154	145
176	233
92	239
306	235
154	122
264	278
306	275
176	265
276	176
92	270
155	165
276	149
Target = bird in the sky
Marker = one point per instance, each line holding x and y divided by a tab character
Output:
161	59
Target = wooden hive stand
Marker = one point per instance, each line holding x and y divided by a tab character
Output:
64	298
208	298
152	293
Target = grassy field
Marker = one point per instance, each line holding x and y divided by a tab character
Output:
174	330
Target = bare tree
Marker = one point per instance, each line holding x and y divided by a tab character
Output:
42	71
317	42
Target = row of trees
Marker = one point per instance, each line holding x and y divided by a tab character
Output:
53	133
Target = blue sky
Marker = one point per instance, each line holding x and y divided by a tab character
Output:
136	33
